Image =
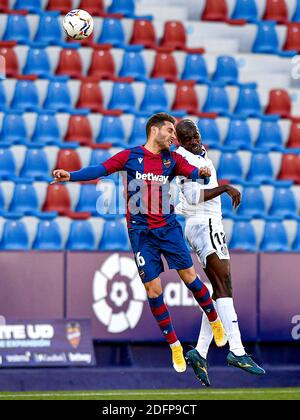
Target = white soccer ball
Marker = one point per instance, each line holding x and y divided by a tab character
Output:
78	24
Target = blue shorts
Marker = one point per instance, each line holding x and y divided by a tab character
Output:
149	246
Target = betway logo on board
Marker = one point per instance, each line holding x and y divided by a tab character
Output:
152	177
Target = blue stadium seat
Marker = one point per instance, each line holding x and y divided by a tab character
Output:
238	134
33	6
261	169
155	97
26	96
38	63
99	156
266	41
25	200
209	131
13	129
114	237
112	33
243	237
253	203
36	165
133	65
88	199
46	129
270	135
48	237
7	164
195	68
126	7
217	100
284	203
2	200
2	97
296	15
58	96
227	207
49	29
230	167
15	236
112	131
245	9
227	70
296	243
275	237
248	104
138	133
122	98
17	29
81	237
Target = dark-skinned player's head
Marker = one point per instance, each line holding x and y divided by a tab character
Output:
160	129
189	136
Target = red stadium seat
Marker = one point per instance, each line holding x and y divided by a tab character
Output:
93	7
165	67
290	168
174	35
4	6
58	199
276	10
11	59
69	160
293	37
143	33
215	10
70	64
186	98
102	65
90	96
63	6
294	139
80	130
279	103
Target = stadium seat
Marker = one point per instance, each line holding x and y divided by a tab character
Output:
69	160
49	30
58	96
112	33
26	97
13	128
227	208
174	35
296	15
276	10
143	33
80	130
90	96
38	63
186	98
17	29
245	9
4	6
57	199
248	104
195	68
261	169
215	10
102	65
48	237
275	238
270	135
209	131
70	64
155	97
122	98
290	168
279	103
35	165
227	70
238	134
125	7
46	129
165	67
138	133
11	59
2	200
62	6
112	131
93	7
88	199
293	38
3	98
7	164
253	203
243	237
230	167
33	6
99	156
217	100
284	203
81	237
114	237
294	137
296	243
266	41
14	237
25	199
133	65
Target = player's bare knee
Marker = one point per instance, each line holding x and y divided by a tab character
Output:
224	287
153	289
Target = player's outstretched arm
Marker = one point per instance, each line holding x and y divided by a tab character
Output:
229	189
86	174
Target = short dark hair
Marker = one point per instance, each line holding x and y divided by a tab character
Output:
158	120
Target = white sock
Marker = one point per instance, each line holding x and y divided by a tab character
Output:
205	337
177	343
229	319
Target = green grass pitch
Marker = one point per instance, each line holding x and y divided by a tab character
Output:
156	395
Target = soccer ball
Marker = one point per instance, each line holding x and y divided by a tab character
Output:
78	24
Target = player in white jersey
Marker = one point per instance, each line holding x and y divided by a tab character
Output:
201	205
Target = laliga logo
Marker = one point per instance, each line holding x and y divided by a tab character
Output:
119	294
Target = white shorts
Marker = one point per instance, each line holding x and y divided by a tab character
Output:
206	239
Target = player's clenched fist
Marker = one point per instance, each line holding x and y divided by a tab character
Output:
60	175
205	172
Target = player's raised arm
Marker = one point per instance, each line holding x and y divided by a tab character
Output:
189	171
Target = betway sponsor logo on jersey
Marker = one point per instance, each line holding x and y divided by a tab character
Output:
151	177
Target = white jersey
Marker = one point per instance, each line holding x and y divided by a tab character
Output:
192	203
